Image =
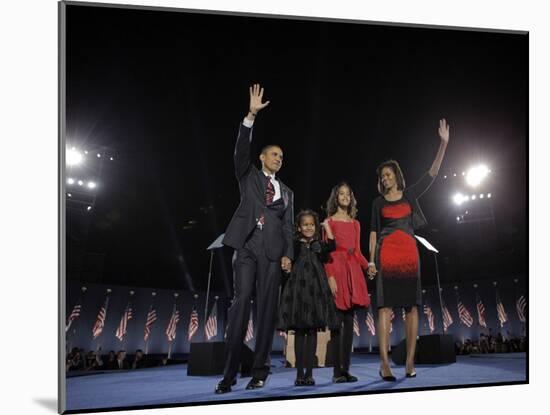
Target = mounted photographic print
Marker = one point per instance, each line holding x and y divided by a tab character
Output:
258	207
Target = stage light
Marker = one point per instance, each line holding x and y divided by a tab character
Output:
473	197
464	173
70	180
458	198
80	182
91	185
112	159
481	196
89	208
74	157
476	175
85	151
489	195
98	155
454	175
445	176
69	195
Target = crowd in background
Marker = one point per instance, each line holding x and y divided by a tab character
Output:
488	343
78	360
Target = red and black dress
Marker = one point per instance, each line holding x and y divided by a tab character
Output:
398	282
397	257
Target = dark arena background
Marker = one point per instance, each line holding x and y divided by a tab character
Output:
153	103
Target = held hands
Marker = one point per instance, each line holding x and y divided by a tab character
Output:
256	105
372	271
332	285
286	264
443	130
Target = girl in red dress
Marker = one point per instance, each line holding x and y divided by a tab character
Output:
345	276
396	214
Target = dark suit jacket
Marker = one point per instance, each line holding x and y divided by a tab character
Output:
278	228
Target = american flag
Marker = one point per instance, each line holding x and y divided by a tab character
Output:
151	317
355	325
100	320
369	321
447	318
73	316
502	317
121	330
211	328
430	317
464	315
172	324
193	324
521	305
392	316
480	312
250	329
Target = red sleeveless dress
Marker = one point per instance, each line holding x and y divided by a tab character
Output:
345	265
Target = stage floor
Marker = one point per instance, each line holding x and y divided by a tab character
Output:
170	385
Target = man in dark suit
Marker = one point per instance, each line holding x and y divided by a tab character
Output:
261	232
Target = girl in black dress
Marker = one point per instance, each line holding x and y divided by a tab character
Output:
394	257
306	301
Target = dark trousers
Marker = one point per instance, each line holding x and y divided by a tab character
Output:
305	343
342	340
252	269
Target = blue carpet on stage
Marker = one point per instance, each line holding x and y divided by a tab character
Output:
171	385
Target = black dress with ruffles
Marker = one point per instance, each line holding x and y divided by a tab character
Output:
306	300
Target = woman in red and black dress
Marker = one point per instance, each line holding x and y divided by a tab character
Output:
396	214
345	276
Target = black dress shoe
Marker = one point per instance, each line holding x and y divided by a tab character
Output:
309	381
255	383
299	382
339	379
224	386
389	378
349	378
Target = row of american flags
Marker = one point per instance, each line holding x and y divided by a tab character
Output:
465	317
210	329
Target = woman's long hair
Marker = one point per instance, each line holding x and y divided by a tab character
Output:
332	202
394	166
315	216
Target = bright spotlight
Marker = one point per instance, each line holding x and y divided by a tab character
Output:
489	195
98	155
91	185
476	175
454	175
445	176
89	208
473	197
481	196
74	157
112	159
80	182
69	195
464	173
70	180
457	218
458	198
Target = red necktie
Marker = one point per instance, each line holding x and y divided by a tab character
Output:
269	195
